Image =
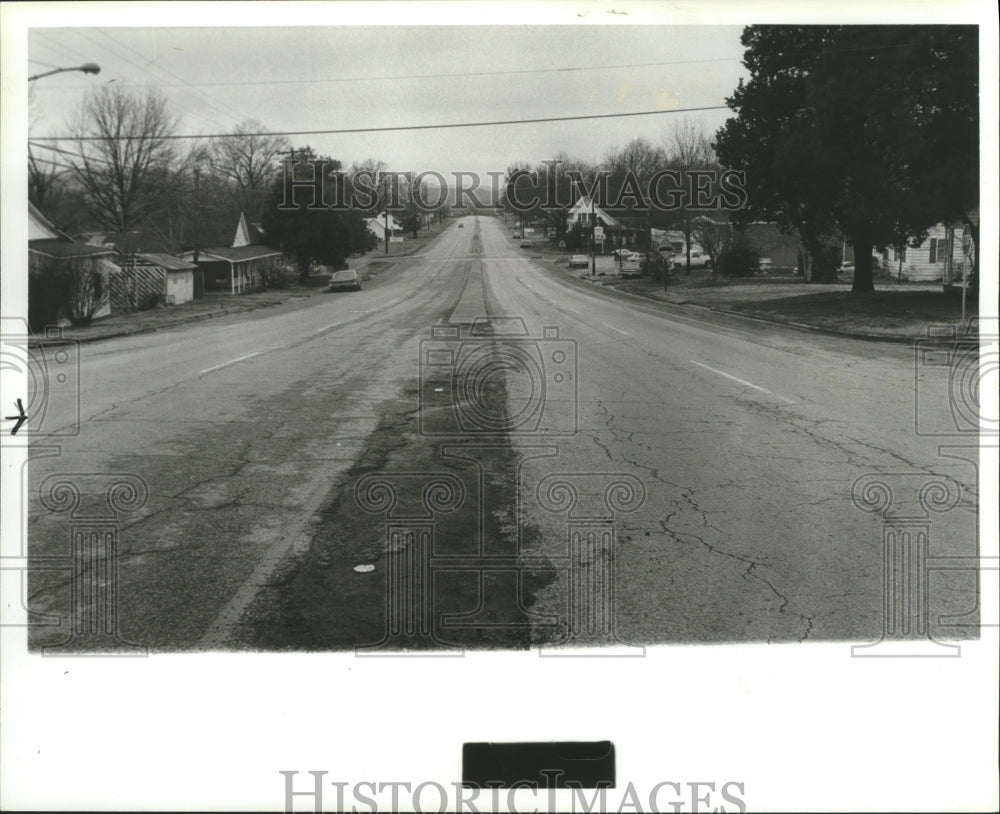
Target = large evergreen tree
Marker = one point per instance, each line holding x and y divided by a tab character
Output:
306	230
871	131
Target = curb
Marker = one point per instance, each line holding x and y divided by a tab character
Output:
896	339
34	341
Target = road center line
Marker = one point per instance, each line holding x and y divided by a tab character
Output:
743	382
613	328
327	328
230	362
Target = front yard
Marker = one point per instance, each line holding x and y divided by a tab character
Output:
892	310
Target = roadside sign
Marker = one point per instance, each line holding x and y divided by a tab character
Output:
598	233
562	244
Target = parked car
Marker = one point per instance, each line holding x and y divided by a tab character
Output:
346	279
632	266
699	260
764	264
525	244
623	253
579	261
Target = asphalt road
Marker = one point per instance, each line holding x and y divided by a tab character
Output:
617	471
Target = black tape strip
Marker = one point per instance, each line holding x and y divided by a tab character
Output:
586	765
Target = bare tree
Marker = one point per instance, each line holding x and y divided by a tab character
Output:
44	182
124	154
639	157
247	160
688	148
363	188
714	234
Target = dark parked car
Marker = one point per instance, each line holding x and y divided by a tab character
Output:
579	261
525	244
346	279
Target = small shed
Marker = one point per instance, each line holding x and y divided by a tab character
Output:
176	276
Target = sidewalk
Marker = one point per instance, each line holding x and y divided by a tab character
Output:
895	311
217	304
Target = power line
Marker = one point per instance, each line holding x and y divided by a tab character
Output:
70	152
53	163
463	74
397	128
211	106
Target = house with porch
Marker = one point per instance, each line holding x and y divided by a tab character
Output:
245	265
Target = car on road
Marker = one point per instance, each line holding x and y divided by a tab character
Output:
579	261
625	253
347	279
525	244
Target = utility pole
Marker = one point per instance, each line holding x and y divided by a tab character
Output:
385	202
593	225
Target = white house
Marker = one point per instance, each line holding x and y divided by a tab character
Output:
586	213
939	258
381	224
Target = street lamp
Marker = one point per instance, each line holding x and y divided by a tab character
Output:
89	67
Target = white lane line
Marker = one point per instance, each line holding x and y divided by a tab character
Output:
743	382
327	328
613	328
230	362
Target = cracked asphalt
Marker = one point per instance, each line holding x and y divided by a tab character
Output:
704	463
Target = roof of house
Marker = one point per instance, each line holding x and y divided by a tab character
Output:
381	221
63	248
41	228
137	240
585	205
247	234
167	261
234	254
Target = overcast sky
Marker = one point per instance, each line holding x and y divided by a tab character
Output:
341	77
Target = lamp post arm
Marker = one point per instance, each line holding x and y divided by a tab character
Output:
90	67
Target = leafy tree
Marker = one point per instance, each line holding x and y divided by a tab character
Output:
739	259
869	130
323	235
